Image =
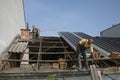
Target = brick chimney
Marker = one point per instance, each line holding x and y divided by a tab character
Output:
25	34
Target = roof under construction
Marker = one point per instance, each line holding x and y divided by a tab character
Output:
72	38
105	44
44	54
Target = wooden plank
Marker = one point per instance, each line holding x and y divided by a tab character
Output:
16	60
115	54
98	59
55	42
39	55
95	75
50	38
49	41
46	60
50	60
48	53
5	65
35	60
50	46
111	70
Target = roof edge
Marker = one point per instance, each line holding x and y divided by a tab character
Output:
110	27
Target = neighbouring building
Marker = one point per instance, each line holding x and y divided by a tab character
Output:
113	31
12	19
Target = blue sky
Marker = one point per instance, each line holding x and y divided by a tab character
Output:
88	16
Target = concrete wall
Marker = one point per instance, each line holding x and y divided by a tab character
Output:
113	31
11	21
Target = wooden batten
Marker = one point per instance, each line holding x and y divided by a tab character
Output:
115	55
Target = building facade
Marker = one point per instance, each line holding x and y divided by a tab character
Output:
113	31
12	19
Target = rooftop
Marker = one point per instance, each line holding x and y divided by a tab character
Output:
44	53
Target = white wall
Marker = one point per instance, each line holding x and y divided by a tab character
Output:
11	21
114	31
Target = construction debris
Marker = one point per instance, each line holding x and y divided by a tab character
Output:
115	55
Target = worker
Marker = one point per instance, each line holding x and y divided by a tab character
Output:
35	32
82	46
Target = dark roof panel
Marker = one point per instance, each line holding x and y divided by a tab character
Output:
108	44
104	43
70	39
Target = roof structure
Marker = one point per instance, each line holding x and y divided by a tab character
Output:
104	45
110	27
18	46
41	54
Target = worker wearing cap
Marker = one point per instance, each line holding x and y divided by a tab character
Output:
81	47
